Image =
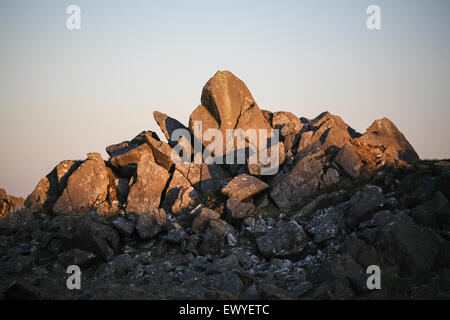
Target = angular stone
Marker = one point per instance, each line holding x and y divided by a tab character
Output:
384	133
369	198
349	161
9	204
150	224
145	193
206	178
86	188
239	210
329	130
94	234
168	125
187	200
203	219
126	146
162	152
286	122
177	187
77	257
51	186
216	237
244	186
201	115
330	177
324	224
402	245
285	240
126	163
231	104
289	189
124	226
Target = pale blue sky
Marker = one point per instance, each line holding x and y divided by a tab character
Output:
65	93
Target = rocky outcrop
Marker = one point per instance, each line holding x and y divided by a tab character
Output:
383	144
9	204
144	174
143	224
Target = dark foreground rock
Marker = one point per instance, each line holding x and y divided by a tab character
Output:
319	251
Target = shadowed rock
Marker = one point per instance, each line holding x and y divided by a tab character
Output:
239	210
9	203
289	189
51	186
126	146
349	160
168	125
86	188
145	193
203	219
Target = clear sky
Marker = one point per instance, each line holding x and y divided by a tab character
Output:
65	93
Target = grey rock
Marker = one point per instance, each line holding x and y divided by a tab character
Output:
363	203
289	189
124	226
149	225
224	264
349	160
285	240
324	224
239	210
94	234
77	257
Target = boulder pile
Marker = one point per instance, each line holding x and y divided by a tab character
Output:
142	176
171	224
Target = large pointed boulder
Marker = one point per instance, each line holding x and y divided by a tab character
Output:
230	105
384	133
